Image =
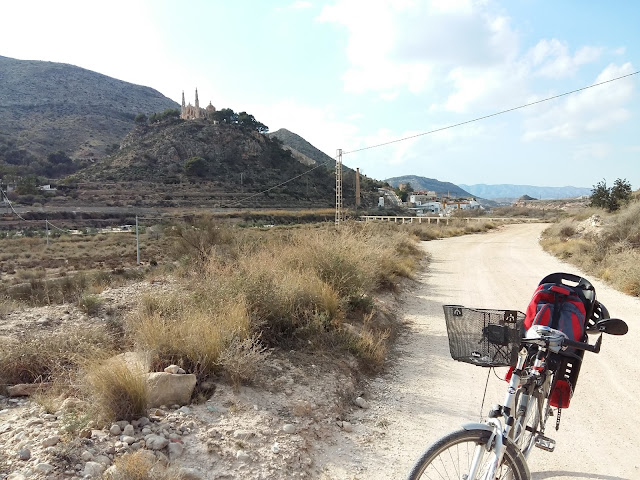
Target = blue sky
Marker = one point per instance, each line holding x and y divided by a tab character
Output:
353	73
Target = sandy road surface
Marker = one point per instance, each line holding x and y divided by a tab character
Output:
426	394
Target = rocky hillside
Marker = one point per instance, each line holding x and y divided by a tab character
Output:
46	107
429	184
302	150
216	164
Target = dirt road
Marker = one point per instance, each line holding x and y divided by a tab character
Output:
426	394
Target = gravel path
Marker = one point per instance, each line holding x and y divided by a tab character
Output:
426	394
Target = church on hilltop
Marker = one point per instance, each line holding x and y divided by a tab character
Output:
189	112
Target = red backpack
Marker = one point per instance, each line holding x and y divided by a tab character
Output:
557	306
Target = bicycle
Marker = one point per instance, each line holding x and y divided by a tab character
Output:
543	361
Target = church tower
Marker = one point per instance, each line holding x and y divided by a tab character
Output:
197	105
182	110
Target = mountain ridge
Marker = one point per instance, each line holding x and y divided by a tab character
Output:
513	191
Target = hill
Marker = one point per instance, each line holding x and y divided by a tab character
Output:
46	107
302	150
198	162
429	184
512	192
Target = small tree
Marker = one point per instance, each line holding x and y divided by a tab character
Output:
611	197
195	167
140	119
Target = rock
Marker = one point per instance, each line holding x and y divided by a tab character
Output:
184	410
347	427
50	441
174	369
115	429
128	439
361	402
128	431
86	456
168	389
243	434
156	442
122	424
44	468
289	428
102	460
175	450
190	474
93	470
243	456
25	389
16	476
275	448
142	421
24	454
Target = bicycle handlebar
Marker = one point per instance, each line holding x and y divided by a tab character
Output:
595	348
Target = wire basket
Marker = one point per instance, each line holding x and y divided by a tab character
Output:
487	338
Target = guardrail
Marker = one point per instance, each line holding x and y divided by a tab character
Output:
445	220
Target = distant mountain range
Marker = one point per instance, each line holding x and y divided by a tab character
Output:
512	192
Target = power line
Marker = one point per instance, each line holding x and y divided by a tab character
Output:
491	115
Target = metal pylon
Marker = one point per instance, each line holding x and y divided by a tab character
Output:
339	187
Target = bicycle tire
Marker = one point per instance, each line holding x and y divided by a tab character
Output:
447	457
530	418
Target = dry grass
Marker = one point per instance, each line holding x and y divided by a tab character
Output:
47	358
140	465
117	392
611	252
242	358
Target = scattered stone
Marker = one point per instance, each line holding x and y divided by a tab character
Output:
50	441
175	450
25	389
93	470
102	460
156	442
86	456
44	468
243	434
115	430
361	402
289	428
128	430
24	454
16	476
142	421
128	439
243	456
184	410
190	474
275	448
175	369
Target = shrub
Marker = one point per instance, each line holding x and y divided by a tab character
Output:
90	304
117	392
242	358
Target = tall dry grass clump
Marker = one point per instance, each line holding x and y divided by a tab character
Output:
188	329
49	358
117	391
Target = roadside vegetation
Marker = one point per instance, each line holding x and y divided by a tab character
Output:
240	295
602	241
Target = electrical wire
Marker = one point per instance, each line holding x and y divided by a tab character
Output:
490	115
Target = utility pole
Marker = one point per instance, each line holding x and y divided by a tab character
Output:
137	243
46	226
339	187
357	188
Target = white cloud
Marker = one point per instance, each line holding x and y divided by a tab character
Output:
300	5
551	58
596	109
588	151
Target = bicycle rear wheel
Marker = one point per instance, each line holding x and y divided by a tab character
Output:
451	457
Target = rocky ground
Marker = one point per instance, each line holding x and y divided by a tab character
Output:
280	427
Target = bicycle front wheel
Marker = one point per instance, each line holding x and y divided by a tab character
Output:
451	458
527	424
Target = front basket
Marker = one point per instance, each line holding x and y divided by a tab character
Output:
487	338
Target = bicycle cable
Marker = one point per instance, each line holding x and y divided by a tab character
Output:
484	395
